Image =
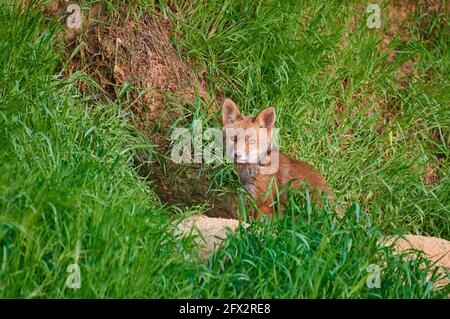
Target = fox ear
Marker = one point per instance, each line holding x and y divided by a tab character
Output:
230	112
266	118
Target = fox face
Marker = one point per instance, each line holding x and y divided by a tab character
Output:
247	139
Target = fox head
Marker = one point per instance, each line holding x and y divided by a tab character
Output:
247	139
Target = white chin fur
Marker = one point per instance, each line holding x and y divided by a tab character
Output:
251	158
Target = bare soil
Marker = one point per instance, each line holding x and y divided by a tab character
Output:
139	55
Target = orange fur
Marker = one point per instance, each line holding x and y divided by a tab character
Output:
289	169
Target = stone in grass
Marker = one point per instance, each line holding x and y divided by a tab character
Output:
435	249
209	232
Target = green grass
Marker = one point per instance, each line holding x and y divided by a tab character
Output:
70	194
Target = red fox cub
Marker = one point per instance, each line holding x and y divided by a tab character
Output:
249	144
